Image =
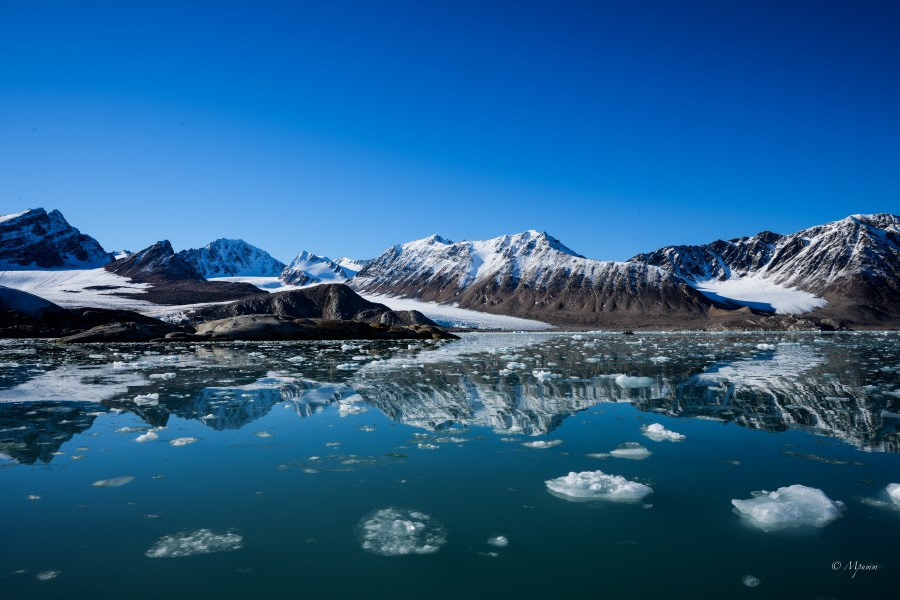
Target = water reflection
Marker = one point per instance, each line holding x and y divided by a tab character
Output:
843	386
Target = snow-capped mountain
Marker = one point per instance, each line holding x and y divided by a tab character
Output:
853	264
232	258
309	268
35	238
530	274
155	263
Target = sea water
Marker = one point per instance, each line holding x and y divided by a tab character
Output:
500	465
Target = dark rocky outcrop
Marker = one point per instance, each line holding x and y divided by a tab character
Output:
271	327
37	239
331	302
122	332
173	280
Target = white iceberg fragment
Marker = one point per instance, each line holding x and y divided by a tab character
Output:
515	365
147	400
542	443
765	346
147	437
500	541
660	359
347	367
189	543
750	580
397	532
631	450
162	376
597	485
47	575
626	381
893	492
114	482
658	433
791	506
542	375
183	441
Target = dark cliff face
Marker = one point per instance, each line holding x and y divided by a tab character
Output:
853	263
36	238
333	301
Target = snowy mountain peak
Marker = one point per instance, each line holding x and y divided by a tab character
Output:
36	238
309	268
232	258
156	262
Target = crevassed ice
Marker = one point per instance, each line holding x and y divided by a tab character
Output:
790	506
658	433
397	532
189	543
626	381
597	485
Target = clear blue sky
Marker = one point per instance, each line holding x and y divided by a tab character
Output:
345	127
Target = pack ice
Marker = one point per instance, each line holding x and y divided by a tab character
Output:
791	506
597	485
396	532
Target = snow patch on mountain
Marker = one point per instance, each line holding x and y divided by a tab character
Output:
231	258
453	316
760	293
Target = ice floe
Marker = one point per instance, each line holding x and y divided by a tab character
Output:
47	575
189	543
750	580
541	375
791	506
397	532
658	433
500	541
631	450
147	400
147	437
893	492
114	482
183	441
597	485
542	443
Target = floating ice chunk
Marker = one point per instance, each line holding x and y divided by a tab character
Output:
597	485
893	492
47	575
542	375
424	446
114	482
347	367
658	433
189	543
625	381
631	450
163	376
660	359
500	541
542	443
147	400
397	532
765	346
184	441
130	429
599	455
347	408
790	506
264	434
750	580
515	365
32	497
297	359
147	437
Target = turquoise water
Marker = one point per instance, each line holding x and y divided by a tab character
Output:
286	449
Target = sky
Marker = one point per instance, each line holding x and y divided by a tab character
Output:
343	127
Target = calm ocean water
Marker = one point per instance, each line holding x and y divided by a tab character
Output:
386	470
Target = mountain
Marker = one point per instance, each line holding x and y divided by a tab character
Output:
851	265
174	280
308	268
532	275
35	238
231	258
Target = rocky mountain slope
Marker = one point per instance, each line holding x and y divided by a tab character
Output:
232	258
35	238
853	264
174	280
530	274
332	302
